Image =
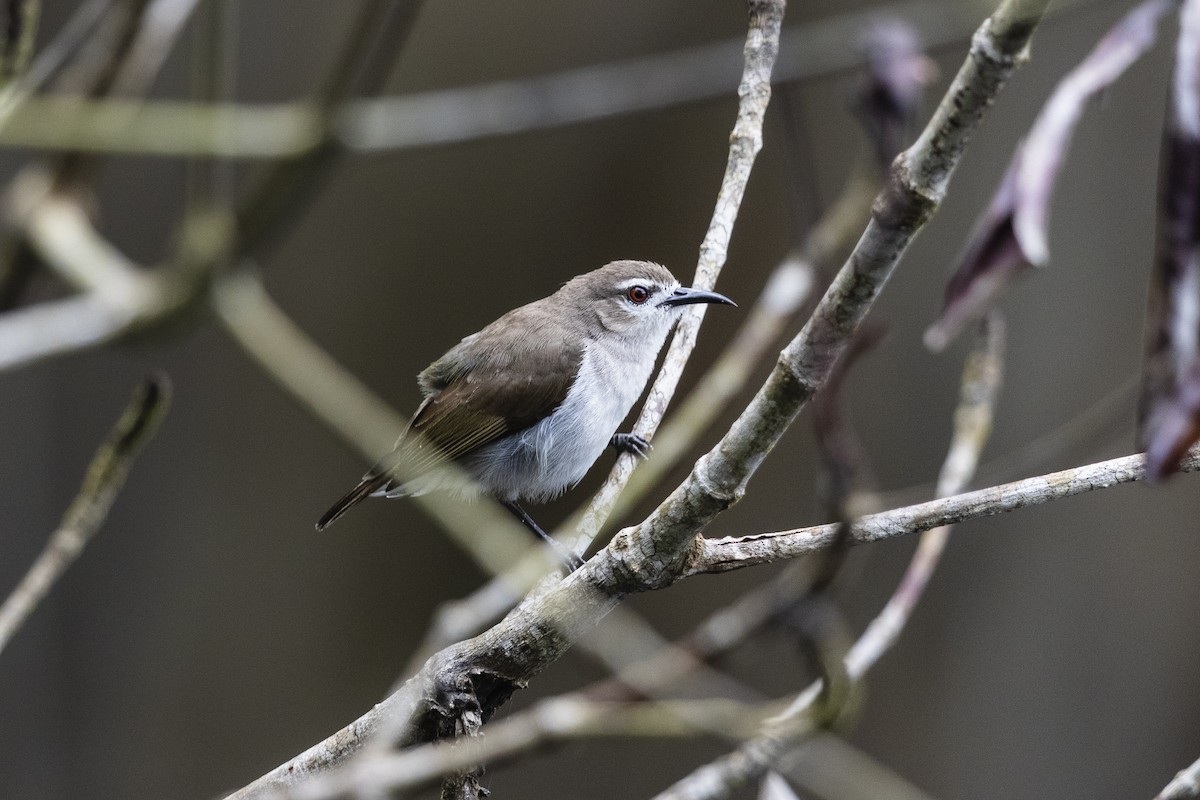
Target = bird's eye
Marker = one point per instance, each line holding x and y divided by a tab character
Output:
638	294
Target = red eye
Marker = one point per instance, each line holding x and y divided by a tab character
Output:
638	294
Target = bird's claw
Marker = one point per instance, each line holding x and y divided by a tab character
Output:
630	443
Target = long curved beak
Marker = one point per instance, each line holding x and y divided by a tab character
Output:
686	296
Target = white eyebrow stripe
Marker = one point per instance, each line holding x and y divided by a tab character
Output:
649	283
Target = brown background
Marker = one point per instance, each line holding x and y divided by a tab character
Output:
208	633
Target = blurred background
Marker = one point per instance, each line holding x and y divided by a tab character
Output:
209	634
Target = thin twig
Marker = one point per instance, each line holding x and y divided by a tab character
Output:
754	92
101	485
722	555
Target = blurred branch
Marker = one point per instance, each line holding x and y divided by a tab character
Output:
118	295
829	767
318	382
19	33
1183	786
722	555
982	376
101	485
284	130
550	721
754	93
339	400
362	66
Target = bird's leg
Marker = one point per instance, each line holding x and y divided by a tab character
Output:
630	443
571	561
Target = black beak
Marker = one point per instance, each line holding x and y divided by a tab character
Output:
683	297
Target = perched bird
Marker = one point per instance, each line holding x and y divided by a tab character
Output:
525	406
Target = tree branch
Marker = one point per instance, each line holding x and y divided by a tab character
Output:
284	130
1184	786
483	672
101	485
722	555
972	424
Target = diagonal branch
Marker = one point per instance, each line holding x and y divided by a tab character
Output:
101	485
754	92
1184	786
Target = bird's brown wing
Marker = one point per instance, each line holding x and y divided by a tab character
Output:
497	382
500	381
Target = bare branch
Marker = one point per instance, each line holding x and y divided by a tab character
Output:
972	424
1184	786
436	118
722	555
487	669
101	485
754	91
551	721
118	295
916	186
982	376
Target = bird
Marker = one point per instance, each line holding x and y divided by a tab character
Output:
525	406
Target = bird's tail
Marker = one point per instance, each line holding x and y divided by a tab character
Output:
367	486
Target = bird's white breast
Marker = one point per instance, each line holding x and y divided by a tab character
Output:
554	454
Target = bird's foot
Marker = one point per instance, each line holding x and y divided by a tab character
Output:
630	443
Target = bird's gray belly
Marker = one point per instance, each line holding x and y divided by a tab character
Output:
542	461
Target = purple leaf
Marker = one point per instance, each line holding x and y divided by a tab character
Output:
889	96
993	260
1011	235
1046	146
1171	381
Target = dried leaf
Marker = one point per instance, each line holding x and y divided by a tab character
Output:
993	260
889	96
1011	235
1045	148
1171	380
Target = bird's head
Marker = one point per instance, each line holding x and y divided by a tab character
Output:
635	298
